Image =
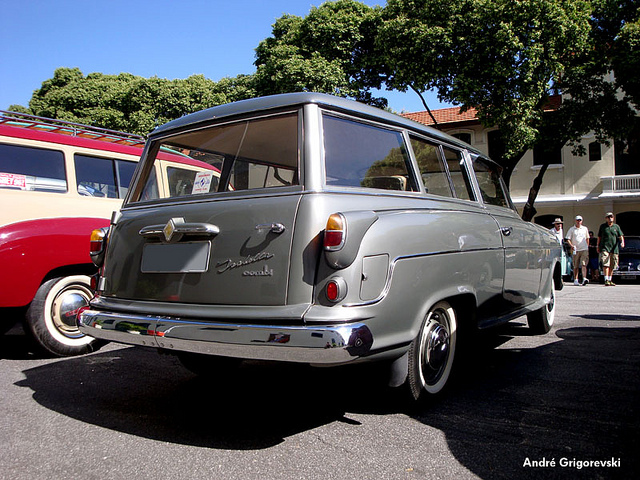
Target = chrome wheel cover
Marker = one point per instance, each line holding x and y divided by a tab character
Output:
435	347
65	307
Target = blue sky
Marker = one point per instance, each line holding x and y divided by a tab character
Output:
164	38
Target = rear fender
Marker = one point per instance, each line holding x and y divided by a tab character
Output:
30	250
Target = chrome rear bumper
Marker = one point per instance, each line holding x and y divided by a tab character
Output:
318	344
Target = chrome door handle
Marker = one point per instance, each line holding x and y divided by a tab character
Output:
176	228
272	227
506	231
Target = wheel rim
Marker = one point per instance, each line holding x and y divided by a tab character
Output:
551	306
65	308
435	347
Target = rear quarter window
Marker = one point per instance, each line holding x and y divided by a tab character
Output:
363	155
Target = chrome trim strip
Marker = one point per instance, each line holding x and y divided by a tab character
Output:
321	344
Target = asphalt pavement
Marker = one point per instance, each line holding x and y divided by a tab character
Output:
561	405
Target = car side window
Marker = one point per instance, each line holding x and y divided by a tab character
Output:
35	169
432	170
459	176
363	155
490	183
102	177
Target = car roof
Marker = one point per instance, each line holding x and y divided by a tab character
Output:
282	101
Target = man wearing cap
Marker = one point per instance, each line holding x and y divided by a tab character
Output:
556	230
609	237
578	238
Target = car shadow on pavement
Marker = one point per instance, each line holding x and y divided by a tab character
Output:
576	398
572	400
141	392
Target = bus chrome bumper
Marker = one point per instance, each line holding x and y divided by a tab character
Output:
318	344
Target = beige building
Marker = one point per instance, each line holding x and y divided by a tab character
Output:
607	179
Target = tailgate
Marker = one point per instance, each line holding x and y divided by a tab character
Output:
233	251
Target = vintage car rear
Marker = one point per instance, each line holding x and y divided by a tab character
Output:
314	233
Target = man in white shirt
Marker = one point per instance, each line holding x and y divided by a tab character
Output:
578	238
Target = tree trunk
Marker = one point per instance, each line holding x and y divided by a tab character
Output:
529	210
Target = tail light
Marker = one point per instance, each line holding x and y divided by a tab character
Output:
335	232
97	245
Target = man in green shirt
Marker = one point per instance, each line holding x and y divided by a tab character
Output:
609	237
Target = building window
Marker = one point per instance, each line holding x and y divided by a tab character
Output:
595	152
496	145
542	154
465	137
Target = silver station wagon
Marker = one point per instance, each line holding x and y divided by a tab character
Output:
319	230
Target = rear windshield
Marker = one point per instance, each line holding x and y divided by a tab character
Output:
246	155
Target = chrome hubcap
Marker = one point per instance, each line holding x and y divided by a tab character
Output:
66	307
436	348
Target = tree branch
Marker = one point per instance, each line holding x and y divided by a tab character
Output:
424	102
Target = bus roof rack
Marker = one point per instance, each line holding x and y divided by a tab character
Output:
43	124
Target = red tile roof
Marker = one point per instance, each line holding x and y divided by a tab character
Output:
442	115
453	115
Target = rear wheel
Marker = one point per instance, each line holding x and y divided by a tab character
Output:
432	352
541	321
51	317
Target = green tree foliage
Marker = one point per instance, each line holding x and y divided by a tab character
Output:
331	50
507	58
502	57
127	102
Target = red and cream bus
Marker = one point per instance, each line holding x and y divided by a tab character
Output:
58	182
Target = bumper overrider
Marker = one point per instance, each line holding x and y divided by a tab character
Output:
316	344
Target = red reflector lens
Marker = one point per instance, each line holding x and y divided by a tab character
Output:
332	291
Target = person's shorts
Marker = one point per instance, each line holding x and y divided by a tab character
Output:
593	264
609	259
580	259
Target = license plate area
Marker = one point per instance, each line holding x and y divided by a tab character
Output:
188	257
